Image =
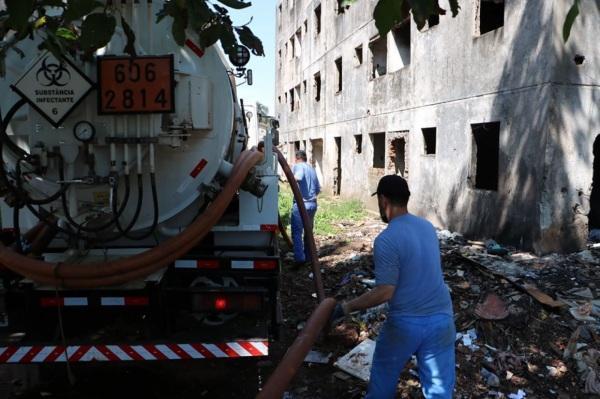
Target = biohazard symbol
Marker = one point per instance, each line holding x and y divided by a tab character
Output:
53	74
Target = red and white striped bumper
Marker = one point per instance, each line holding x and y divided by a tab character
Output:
125	353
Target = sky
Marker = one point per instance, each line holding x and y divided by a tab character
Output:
263	68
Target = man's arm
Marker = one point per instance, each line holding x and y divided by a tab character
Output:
377	296
298	172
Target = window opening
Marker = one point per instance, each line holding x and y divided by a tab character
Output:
298	42
338	67
486	137
358	55
318	19
429	139
378	143
293	46
491	15
358	143
378	49
398	156
317	84
400	53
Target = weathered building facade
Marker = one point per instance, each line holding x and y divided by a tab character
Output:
490	115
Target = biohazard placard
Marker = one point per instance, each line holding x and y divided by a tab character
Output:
53	87
135	85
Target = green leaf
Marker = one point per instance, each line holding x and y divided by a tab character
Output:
130	34
454	7
237	4
387	14
210	36
178	27
76	9
228	41
96	31
422	10
66	34
570	19
19	12
199	14
249	40
40	22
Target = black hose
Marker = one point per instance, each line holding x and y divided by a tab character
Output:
17	227
18	192
156	213
138	209
4	136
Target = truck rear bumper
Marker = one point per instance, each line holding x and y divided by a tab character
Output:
134	353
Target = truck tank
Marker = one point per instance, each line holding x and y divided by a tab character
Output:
98	155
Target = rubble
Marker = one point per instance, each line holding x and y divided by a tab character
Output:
527	325
358	361
317	357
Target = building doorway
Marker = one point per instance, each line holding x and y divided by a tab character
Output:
337	170
317	157
594	215
397	156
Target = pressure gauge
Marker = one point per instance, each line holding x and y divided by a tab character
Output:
84	131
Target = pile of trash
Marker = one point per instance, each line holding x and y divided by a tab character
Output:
527	326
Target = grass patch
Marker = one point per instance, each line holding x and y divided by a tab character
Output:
331	211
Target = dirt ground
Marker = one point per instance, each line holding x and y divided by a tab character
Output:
528	328
528	342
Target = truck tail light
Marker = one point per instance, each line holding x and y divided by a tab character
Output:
265	264
269	227
207	263
259	264
227	302
221	303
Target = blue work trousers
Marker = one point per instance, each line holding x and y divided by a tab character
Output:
431	339
301	252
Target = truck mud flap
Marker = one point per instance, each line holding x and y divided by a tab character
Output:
134	353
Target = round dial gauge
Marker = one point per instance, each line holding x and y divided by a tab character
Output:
84	131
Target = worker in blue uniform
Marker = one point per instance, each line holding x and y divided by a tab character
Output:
309	185
408	276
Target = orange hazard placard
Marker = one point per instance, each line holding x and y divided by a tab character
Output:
135	85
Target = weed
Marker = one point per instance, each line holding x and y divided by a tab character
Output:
330	212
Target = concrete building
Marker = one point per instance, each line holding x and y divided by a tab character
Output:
490	115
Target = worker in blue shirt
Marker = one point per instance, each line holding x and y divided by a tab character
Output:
309	185
409	277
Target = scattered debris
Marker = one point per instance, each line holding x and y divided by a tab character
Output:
357	362
517	335
493	248
583	312
317	357
519	395
492	308
490	378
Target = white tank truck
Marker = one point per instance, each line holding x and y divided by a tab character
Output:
134	225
